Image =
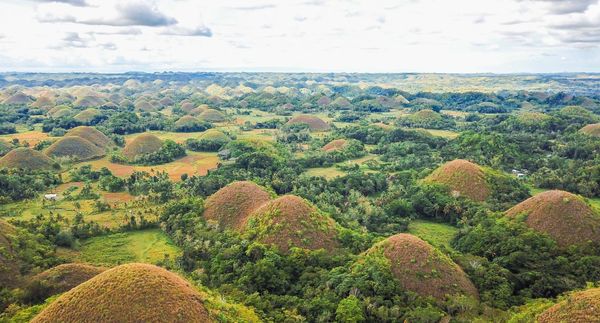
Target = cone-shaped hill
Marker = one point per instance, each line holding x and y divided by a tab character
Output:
74	147
92	135
565	217
583	306
314	123
129	293
422	269
26	158
334	145
463	178
232	205
592	129
290	221
64	277
143	144
212	115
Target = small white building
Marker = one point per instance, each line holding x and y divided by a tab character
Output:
51	197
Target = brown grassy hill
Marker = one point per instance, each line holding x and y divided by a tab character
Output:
87	115
74	147
290	221
26	158
187	121
232	205
59	111
92	135
421	268
18	98
565	217
212	115
166	102
43	102
143	144
592	129
187	106
314	123
463	178
88	101
10	275
581	306
64	277
129	293
334	145
143	105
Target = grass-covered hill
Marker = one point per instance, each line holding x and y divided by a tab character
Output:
334	145
91	134
421	268
232	205
129	293
63	278
314	123
464	178
592	129
212	115
26	158
290	221
75	148
565	217
583	306
141	145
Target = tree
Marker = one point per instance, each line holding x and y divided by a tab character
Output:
349	310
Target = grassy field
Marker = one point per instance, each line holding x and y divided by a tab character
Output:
437	234
195	163
327	172
32	137
148	246
441	133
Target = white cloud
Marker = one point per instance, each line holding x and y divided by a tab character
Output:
302	35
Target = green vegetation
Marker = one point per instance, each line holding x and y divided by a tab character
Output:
149	246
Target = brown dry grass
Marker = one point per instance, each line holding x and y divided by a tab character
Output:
314	123
581	306
423	269
212	115
26	158
334	145
92	135
193	164
290	221
87	115
32	137
64	277
463	177
129	293
143	144
74	147
592	129
232	205
565	217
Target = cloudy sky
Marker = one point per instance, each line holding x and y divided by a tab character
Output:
501	36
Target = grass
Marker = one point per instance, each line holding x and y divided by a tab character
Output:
147	246
195	163
440	133
327	172
437	234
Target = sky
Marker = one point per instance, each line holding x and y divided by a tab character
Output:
439	36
